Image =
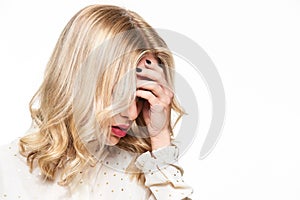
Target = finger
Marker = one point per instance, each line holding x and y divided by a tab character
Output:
154	87
149	96
150	62
149	74
154	65
151	84
164	95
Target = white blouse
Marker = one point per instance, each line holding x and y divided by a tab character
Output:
108	180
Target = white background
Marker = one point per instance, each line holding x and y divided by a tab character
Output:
255	46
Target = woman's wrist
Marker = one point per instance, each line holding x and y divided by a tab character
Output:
160	140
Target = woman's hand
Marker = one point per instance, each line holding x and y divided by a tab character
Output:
153	87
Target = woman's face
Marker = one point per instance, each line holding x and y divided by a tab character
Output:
123	121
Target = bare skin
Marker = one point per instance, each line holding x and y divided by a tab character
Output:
156	107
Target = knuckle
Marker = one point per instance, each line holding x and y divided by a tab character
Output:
160	69
169	101
160	76
156	87
171	94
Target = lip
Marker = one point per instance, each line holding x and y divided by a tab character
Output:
123	126
120	130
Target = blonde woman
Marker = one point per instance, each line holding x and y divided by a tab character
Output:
101	118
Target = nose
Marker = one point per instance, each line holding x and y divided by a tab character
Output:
132	112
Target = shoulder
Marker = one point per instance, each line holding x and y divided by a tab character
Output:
17	181
12	163
118	158
11	166
9	155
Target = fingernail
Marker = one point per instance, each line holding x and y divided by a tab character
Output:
148	62
138	69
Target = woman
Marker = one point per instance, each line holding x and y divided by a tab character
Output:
101	118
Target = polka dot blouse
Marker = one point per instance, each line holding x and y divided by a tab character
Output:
112	178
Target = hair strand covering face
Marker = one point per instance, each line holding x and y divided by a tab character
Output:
72	111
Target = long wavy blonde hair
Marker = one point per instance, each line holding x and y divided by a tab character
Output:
96	54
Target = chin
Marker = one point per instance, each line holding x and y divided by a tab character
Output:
113	140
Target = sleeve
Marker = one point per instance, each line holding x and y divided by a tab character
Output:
163	175
1	177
